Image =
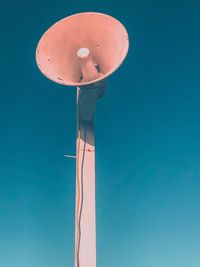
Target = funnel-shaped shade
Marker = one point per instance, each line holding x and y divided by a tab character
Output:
105	37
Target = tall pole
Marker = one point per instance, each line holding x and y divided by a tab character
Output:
85	219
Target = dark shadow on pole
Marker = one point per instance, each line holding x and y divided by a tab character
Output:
87	97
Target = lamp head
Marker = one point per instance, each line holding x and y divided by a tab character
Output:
85	39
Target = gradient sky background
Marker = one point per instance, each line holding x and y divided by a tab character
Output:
147	141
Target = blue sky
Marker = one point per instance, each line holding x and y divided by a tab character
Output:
147	141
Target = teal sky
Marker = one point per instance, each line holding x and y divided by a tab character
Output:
147	141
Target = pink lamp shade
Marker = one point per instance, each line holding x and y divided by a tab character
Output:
59	49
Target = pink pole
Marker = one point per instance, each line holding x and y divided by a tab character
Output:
85	219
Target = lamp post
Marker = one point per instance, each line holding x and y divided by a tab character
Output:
82	50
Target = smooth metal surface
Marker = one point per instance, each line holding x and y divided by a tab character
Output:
85	221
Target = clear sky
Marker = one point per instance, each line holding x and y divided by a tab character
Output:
147	141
